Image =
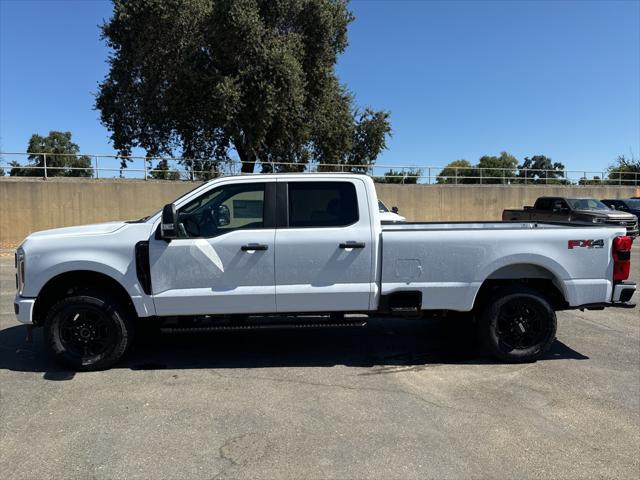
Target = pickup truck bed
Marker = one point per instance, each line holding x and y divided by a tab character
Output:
448	262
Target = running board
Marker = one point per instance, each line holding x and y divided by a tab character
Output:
263	326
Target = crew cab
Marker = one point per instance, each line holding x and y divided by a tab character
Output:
574	210
267	250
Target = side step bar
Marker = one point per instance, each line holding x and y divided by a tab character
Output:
264	326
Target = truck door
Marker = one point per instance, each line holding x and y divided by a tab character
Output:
324	246
550	209
223	261
560	211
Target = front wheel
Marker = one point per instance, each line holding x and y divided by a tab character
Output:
89	331
517	324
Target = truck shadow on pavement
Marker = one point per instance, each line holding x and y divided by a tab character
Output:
383	342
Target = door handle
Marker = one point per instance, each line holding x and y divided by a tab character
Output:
251	247
352	245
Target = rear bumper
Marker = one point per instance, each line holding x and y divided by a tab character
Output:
622	293
23	308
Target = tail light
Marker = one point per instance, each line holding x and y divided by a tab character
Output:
621	253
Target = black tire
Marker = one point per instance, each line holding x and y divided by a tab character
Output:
517	324
88	331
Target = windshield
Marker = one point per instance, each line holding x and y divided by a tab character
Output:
586	204
634	204
144	219
382	207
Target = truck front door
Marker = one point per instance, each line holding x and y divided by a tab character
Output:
324	246
223	260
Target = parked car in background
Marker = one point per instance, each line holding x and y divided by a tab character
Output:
573	210
387	216
629	205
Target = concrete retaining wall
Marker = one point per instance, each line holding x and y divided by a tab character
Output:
28	205
481	202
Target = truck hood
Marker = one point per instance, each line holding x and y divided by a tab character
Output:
93	229
613	215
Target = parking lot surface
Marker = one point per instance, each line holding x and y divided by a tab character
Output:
395	399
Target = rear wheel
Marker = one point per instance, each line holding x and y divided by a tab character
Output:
517	324
88	331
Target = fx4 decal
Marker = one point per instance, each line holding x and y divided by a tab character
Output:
585	244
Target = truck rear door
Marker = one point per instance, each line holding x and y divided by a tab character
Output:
323	246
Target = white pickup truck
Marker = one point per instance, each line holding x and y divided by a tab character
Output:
263	251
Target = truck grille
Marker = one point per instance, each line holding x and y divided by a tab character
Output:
631	225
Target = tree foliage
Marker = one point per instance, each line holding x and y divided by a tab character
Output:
502	169
205	79
541	169
625	170
162	171
62	159
458	171
399	176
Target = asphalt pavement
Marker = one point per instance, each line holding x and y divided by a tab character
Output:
395	399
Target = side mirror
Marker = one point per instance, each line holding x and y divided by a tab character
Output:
224	216
557	207
394	210
169	222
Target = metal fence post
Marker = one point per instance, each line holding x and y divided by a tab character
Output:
480	169
97	168
144	167
456	175
45	165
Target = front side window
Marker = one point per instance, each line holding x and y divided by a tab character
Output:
586	204
222	210
322	204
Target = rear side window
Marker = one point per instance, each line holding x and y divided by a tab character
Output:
322	204
544	203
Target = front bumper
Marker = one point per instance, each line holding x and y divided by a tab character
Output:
23	308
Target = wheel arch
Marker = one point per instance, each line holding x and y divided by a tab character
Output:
535	276
66	283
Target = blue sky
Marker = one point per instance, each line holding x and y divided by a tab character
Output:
461	79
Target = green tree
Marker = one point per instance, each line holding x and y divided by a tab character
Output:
541	169
62	159
162	171
211	78
596	180
625	171
459	171
502	169
400	176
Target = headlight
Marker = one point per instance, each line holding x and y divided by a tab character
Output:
597	220
20	269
